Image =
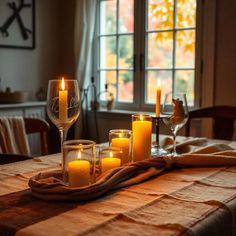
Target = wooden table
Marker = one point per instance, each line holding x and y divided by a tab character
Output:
193	201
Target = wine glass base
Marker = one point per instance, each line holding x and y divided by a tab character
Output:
158	151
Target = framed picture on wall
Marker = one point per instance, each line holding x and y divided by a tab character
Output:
17	24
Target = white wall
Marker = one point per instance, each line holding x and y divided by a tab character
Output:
28	70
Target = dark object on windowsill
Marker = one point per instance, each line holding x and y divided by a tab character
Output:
41	94
94	105
107	97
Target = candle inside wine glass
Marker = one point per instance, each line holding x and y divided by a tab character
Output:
63	94
63	105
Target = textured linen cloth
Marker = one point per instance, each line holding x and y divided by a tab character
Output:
48	186
13	138
183	201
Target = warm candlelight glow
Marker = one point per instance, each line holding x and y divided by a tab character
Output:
110	162
79	172
63	94
121	139
62	84
158	99
142	132
79	155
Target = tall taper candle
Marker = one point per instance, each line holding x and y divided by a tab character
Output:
158	99
63	102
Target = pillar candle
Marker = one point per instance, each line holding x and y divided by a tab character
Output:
142	132
123	144
108	163
158	99
79	172
63	102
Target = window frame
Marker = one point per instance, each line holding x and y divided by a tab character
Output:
139	68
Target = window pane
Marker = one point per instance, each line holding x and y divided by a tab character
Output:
107	17
160	14
185	84
107	77
126	52
126	16
185	49
125	86
108	52
186	13
160	50
165	78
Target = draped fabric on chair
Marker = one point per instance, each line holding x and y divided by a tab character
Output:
13	138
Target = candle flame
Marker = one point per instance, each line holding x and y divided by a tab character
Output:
159	83
141	117
120	135
111	155
79	155
62	84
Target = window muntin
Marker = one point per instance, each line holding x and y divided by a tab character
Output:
115	37
169	49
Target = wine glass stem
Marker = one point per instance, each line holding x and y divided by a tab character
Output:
63	134
174	144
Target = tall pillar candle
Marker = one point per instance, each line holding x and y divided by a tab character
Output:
158	99
63	93
141	133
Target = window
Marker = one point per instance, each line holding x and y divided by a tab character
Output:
140	42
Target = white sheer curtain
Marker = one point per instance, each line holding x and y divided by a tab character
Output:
85	18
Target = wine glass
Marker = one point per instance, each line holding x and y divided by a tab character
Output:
63	105
175	114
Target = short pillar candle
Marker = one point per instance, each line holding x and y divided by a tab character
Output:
141	136
79	162
121	138
109	158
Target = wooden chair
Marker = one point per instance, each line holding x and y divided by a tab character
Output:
37	125
9	158
223	120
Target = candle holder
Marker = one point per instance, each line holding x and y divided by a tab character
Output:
109	158
157	150
141	136
121	138
79	158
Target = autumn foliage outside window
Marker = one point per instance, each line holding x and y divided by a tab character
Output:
170	32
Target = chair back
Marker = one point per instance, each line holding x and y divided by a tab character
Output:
37	125
223	120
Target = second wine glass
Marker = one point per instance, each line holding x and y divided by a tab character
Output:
175	114
63	105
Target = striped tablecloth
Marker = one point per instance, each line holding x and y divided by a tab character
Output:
193	201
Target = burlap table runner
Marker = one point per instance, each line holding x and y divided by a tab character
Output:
48	186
